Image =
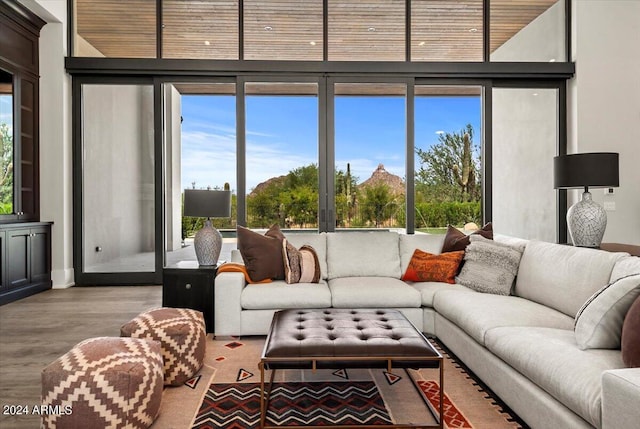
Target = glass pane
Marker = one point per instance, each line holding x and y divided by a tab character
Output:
6	142
282	155
370	143
446	30
118	178
448	182
115	29
200	29
283	30
522	30
372	30
525	138
200	153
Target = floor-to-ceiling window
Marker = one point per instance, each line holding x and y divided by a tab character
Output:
448	161
323	115
369	144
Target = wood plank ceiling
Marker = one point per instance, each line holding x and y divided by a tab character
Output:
371	30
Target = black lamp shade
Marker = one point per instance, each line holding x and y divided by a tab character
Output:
596	170
207	203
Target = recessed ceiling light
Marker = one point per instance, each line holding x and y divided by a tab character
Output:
552	60
422	43
312	43
535	94
473	30
207	43
268	28
371	29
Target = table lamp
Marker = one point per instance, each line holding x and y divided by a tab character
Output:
586	219
207	203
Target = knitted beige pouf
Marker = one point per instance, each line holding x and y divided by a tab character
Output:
182	335
104	382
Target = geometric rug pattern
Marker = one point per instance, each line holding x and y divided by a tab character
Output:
452	416
237	405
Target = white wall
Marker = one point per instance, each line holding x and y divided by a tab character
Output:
55	137
605	115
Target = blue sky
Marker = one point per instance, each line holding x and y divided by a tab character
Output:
282	134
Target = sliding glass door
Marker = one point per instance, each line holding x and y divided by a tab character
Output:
118	179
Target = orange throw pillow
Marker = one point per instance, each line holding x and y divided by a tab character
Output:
427	267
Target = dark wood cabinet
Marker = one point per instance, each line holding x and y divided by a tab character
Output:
25	260
186	285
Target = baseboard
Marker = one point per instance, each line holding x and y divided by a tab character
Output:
62	279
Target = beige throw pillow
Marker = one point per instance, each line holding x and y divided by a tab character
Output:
599	322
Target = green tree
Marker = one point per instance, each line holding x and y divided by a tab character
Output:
6	169
450	169
377	204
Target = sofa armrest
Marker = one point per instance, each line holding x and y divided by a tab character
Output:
227	291
620	398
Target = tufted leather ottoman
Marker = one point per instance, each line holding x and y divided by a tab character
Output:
104	382
182	336
345	338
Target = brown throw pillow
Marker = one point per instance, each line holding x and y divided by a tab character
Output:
427	267
456	240
631	336
262	254
300	266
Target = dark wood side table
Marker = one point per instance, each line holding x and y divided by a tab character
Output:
188	285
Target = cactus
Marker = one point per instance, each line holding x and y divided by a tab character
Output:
465	179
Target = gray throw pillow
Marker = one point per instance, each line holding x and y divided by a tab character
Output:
599	322
490	266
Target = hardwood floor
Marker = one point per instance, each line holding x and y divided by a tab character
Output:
36	330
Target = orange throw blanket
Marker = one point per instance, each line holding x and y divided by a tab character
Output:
234	267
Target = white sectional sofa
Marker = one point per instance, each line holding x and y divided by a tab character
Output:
523	346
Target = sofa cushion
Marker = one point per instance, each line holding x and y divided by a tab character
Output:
357	254
561	276
476	313
262	254
429	289
625	266
431	243
362	292
427	267
489	266
279	294
599	322
458	240
315	240
630	343
551	359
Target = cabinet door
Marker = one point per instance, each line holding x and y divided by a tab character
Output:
17	257
39	253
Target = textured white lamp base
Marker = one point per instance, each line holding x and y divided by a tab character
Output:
208	244
587	221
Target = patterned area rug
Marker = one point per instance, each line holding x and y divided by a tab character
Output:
237	405
225	394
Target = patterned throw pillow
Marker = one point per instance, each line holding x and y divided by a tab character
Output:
427	267
262	254
489	266
300	265
457	240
